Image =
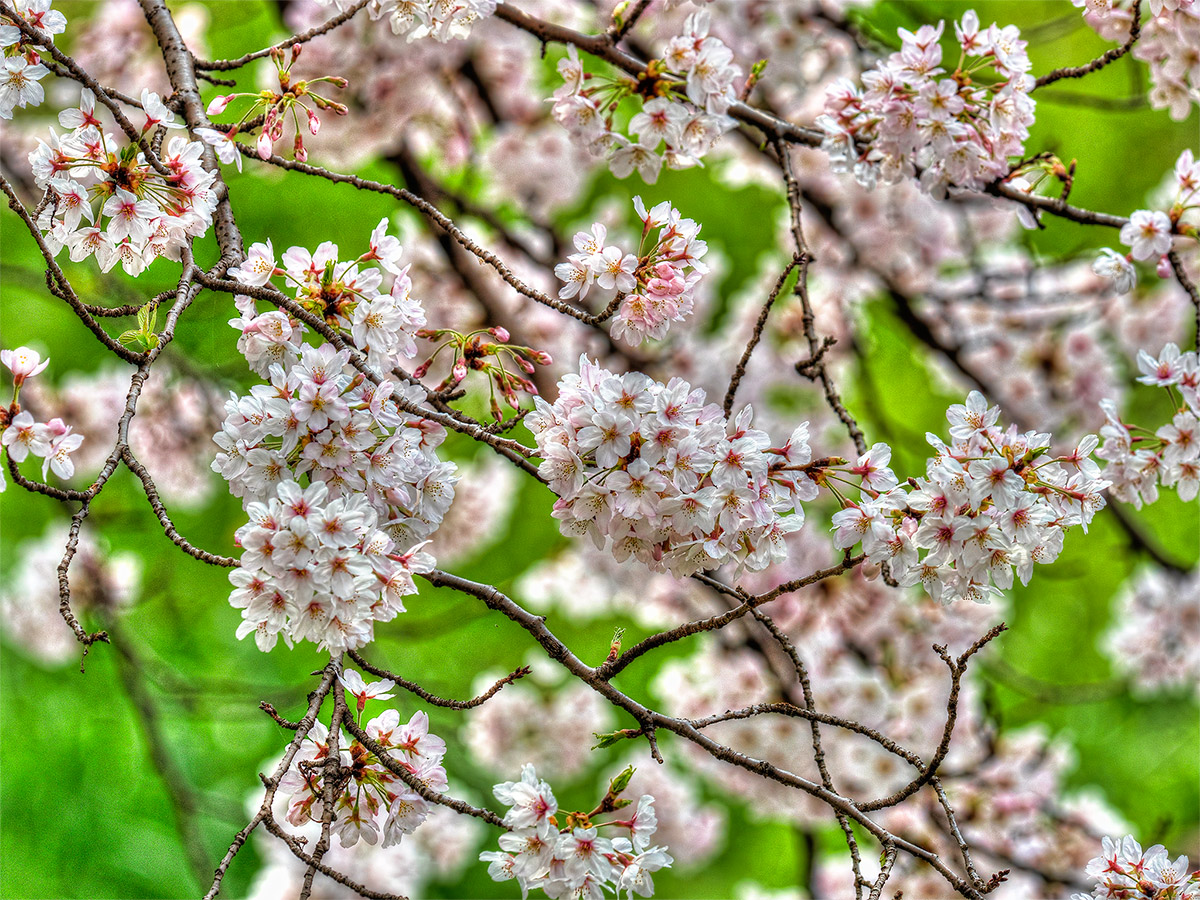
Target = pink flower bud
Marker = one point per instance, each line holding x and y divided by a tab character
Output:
314	123
264	145
298	151
1164	267
541	357
218	105
296	48
57	428
421	370
460	370
500	333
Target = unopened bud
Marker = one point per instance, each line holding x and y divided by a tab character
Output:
459	372
500	333
298	150
423	369
314	123
296	48
618	784
218	104
1164	267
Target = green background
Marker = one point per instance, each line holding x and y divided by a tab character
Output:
85	815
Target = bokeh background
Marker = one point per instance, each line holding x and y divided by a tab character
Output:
84	810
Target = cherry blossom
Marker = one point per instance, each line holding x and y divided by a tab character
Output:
657	282
148	214
652	471
993	502
958	131
1123	870
685	123
571	858
19	85
375	804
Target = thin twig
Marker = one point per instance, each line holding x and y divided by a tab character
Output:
414	688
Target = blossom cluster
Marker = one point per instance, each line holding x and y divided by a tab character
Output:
325	561
1124	872
1169	40
685	96
1172	454
439	851
374	801
656	283
660	475
574	861
1148	233
993	500
53	441
958	130
92	178
346	295
20	61
443	20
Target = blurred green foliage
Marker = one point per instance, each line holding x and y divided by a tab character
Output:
86	815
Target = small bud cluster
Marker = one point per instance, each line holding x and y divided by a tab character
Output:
1124	872
20	62
573	860
657	282
958	130
374	800
1172	454
473	352
684	97
658	474
53	441
291	100
993	500
443	20
91	177
327	561
1148	233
